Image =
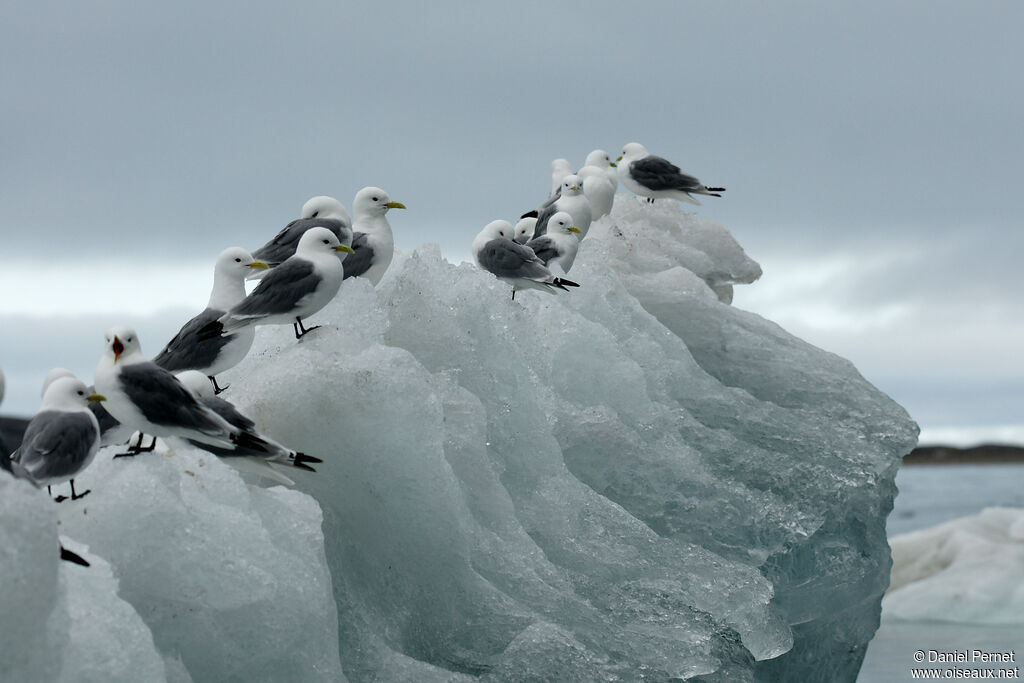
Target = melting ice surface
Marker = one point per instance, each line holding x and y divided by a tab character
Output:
630	481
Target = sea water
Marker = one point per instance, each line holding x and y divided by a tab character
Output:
930	495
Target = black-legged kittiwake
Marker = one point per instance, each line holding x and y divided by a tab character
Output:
653	177
111	431
558	246
143	396
600	182
322	211
373	244
62	439
571	200
212	355
496	252
270	450
296	289
523	231
559	169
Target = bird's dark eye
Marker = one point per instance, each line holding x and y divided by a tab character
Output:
375	199
315	214
327	241
238	260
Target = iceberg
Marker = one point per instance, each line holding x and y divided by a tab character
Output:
630	481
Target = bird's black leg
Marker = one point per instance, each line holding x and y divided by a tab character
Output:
60	499
216	387
299	326
135	449
513	295
650	200
75	496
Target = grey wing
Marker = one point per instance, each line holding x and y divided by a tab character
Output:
163	400
544	247
542	219
189	350
656	173
56	444
280	290
230	414
359	262
282	246
509	259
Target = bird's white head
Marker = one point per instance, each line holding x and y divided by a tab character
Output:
599	158
319	241
632	151
572	184
196	382
69	393
237	262
499	230
323	206
373	201
122	345
524	229
562	223
53	375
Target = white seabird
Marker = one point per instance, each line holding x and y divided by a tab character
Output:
322	211
299	287
600	181
212	355
570	198
496	252
523	231
61	440
558	246
373	243
653	177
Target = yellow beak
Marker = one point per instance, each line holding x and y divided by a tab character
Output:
613	164
95	397
574	229
258	264
395	205
345	248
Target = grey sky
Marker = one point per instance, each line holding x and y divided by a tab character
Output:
873	149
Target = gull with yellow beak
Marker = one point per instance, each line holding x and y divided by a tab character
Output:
558	246
144	397
213	355
321	211
572	200
653	177
373	243
61	440
296	289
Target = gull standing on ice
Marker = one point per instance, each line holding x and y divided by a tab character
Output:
61	440
558	246
653	177
296	289
111	431
270	450
145	397
496	252
212	355
321	211
373	244
600	182
570	199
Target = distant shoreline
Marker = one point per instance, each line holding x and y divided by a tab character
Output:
11	429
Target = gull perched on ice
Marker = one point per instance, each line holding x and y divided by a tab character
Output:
653	177
558	246
211	355
496	252
570	198
61	440
523	231
600	182
269	451
143	396
299	287
321	211
111	431
373	244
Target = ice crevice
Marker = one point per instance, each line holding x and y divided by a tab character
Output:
630	481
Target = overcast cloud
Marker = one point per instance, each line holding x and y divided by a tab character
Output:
871	151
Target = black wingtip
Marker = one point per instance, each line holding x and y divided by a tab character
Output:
211	330
69	556
302	457
530	214
563	283
716	189
251	441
